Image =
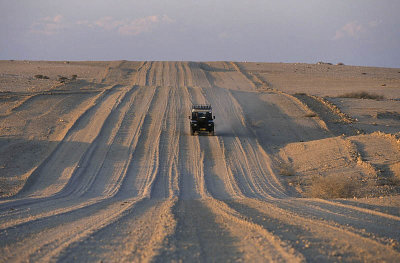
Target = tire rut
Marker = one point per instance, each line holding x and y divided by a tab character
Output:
42	181
198	237
128	182
166	181
138	235
191	186
71	197
311	235
143	169
248	161
77	216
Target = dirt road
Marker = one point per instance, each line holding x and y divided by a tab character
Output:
120	178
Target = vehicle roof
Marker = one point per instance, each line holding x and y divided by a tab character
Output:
202	107
197	110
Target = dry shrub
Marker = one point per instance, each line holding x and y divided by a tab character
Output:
311	114
388	115
395	169
8	188
333	186
40	76
362	95
256	124
3	187
62	79
286	170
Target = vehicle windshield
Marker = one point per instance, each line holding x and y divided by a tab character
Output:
201	115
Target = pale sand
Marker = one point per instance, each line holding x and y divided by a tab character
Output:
103	167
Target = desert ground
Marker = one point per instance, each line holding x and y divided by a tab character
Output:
97	162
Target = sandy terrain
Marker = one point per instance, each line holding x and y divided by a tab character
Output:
101	166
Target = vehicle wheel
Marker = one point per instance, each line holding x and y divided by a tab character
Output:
191	131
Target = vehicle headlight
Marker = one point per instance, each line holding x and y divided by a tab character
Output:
209	124
194	124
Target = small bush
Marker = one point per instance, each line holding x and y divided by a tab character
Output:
287	170
62	79
39	76
311	114
388	115
333	186
395	169
362	95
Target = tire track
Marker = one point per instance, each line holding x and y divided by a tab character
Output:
144	167
191	184
115	160
105	210
200	218
142	76
162	186
141	188
198	75
44	239
166	181
249	163
186	69
314	236
110	165
158	186
219	178
198	237
237	150
367	223
91	163
257	243
150	74
181	73
159	74
137	236
73	236
42	181
260	84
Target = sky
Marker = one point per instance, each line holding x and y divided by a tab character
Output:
354	32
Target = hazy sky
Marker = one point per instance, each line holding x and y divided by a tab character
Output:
355	32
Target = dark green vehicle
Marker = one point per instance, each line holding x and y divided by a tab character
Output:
202	119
